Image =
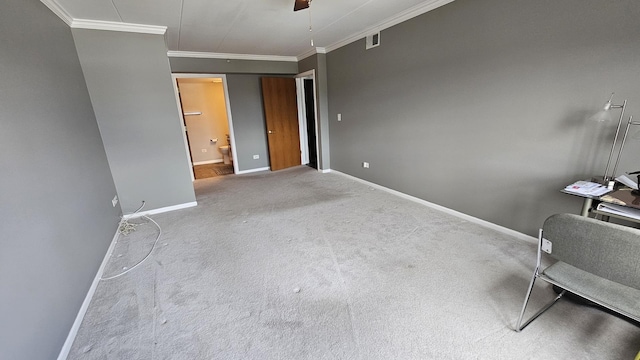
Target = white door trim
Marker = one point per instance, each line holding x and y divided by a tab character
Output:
175	77
302	123
302	115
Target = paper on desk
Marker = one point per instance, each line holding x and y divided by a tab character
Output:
587	188
624	179
619	210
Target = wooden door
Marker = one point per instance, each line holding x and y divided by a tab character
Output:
281	115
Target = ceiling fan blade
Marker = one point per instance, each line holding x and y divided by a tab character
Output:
300	4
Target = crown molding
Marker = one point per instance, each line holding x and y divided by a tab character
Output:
410	13
389	22
226	56
118	26
313	51
58	10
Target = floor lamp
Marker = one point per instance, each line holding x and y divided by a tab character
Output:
603	115
624	138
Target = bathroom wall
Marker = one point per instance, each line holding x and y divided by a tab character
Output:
206	96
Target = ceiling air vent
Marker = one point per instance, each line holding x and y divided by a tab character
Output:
373	40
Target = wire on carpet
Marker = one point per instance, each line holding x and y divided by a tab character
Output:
126	228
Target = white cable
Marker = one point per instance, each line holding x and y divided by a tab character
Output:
310	24
150	251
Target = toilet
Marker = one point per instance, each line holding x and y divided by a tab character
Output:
226	152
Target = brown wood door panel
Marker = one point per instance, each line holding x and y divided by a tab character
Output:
281	115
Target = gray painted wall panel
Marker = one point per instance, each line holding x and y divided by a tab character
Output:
245	100
480	106
129	81
56	186
221	66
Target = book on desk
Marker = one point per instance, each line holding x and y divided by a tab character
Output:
620	203
621	210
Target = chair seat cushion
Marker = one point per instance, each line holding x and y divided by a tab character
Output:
618	297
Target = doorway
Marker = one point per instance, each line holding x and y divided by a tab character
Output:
205	114
307	113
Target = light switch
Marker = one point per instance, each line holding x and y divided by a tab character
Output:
339	117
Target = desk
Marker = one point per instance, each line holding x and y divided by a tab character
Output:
620	196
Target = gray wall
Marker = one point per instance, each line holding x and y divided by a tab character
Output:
245	99
220	66
480	106
56	187
318	62
130	84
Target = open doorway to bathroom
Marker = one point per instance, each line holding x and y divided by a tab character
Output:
206	121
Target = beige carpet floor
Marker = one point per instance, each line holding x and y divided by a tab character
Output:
301	265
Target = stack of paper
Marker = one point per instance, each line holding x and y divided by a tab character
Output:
619	210
587	188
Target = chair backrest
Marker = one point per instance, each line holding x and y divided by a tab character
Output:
607	250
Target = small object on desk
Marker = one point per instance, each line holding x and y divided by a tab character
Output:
625	180
611	200
587	188
636	189
623	197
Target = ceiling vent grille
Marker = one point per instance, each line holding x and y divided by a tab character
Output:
373	40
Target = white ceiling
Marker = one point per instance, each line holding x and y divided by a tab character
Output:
259	27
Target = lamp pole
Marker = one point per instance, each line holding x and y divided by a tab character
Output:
608	106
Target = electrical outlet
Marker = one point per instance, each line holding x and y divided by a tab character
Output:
204	150
339	117
114	202
365	165
256	157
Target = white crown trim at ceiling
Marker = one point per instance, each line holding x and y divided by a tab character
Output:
313	51
224	56
394	20
117	26
58	10
152	29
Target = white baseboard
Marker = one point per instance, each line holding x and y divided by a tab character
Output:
326	171
160	210
217	161
253	170
66	348
64	352
469	218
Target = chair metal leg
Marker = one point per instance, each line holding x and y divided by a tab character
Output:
519	325
526	298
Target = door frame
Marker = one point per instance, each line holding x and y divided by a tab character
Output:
302	116
174	78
